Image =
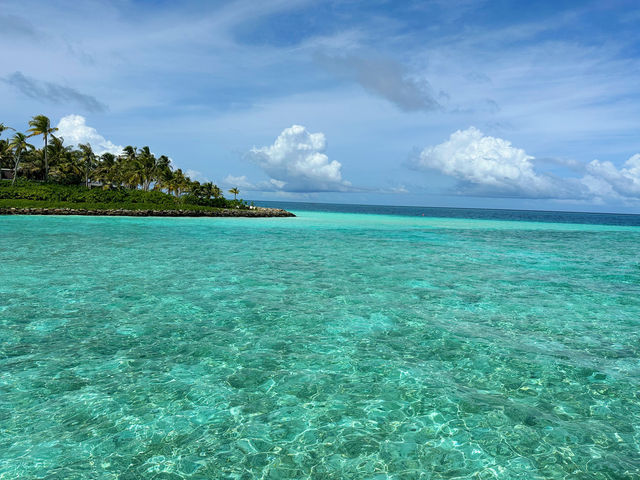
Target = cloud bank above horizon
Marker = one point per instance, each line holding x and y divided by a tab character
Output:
490	166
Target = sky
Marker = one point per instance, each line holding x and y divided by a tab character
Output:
461	103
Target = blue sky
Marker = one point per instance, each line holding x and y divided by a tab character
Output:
506	104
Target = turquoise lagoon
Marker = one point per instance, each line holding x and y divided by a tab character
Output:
327	346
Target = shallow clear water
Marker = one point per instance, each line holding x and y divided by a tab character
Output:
327	346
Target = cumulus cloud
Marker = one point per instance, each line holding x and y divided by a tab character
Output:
491	166
386	78
74	130
605	179
296	162
53	92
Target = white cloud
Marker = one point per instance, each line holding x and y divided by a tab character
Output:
239	182
74	130
605	179
296	162
491	166
276	184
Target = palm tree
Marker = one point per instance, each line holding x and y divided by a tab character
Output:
5	152
18	144
89	159
57	152
178	183
149	167
4	145
32	164
70	167
40	125
165	180
131	173
186	185
121	170
145	167
235	192
106	169
206	190
3	127
163	164
195	188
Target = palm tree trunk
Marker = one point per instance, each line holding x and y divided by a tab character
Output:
15	169
46	160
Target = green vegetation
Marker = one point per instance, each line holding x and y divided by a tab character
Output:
29	193
95	206
59	176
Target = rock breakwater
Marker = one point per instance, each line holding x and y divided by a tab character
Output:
116	212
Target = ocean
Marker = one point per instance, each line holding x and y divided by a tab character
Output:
350	342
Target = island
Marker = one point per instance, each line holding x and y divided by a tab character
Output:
26	197
61	180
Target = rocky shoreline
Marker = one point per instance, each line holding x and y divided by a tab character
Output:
118	212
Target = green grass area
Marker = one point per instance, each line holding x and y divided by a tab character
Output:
28	194
19	203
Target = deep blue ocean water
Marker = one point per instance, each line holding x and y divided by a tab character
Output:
470	213
334	345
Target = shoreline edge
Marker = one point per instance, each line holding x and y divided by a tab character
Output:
262	212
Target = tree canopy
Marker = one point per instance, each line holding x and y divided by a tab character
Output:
133	168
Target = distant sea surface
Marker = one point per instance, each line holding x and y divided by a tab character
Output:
349	342
477	213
